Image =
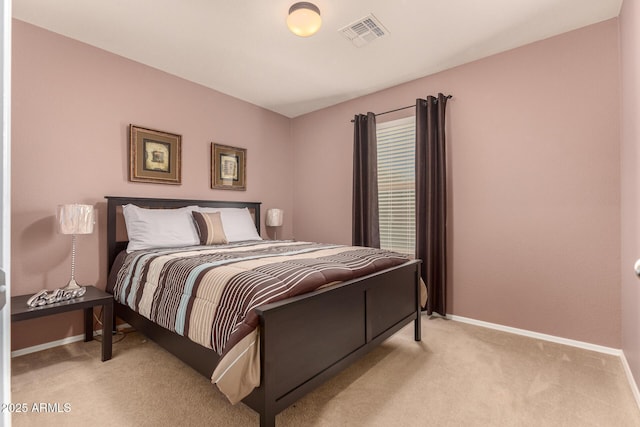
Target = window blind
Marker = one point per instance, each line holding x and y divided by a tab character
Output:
396	185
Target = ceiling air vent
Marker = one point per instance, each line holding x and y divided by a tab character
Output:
364	30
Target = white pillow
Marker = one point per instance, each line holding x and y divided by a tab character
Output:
159	228
237	223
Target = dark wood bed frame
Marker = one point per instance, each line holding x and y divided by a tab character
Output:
342	323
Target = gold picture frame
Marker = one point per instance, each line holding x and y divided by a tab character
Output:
154	156
228	167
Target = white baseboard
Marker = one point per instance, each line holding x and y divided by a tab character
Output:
632	381
544	337
63	341
47	345
560	340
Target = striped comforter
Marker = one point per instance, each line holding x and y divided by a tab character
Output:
207	293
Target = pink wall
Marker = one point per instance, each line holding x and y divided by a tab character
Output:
534	215
72	104
630	185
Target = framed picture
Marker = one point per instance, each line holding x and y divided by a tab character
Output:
228	167
154	156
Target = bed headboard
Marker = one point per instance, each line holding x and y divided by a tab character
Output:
116	230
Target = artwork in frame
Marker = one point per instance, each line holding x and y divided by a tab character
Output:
228	167
154	156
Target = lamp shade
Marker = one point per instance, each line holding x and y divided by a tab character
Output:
274	217
75	219
304	19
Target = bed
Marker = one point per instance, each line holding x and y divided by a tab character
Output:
342	322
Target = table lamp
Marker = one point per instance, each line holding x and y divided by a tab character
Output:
75	219
274	219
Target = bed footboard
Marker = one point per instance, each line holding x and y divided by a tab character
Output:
306	340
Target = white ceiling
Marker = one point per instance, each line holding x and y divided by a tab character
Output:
243	48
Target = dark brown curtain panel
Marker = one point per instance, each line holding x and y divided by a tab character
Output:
366	227
431	199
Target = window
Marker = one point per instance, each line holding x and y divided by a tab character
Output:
396	185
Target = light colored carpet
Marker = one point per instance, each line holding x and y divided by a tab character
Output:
459	375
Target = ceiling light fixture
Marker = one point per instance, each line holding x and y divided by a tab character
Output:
304	19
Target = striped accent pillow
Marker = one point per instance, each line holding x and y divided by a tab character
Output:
210	228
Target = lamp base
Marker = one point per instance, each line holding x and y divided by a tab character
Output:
72	284
72	290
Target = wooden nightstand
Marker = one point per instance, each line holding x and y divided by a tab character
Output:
93	297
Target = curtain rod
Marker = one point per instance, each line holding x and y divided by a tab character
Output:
400	109
397	109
